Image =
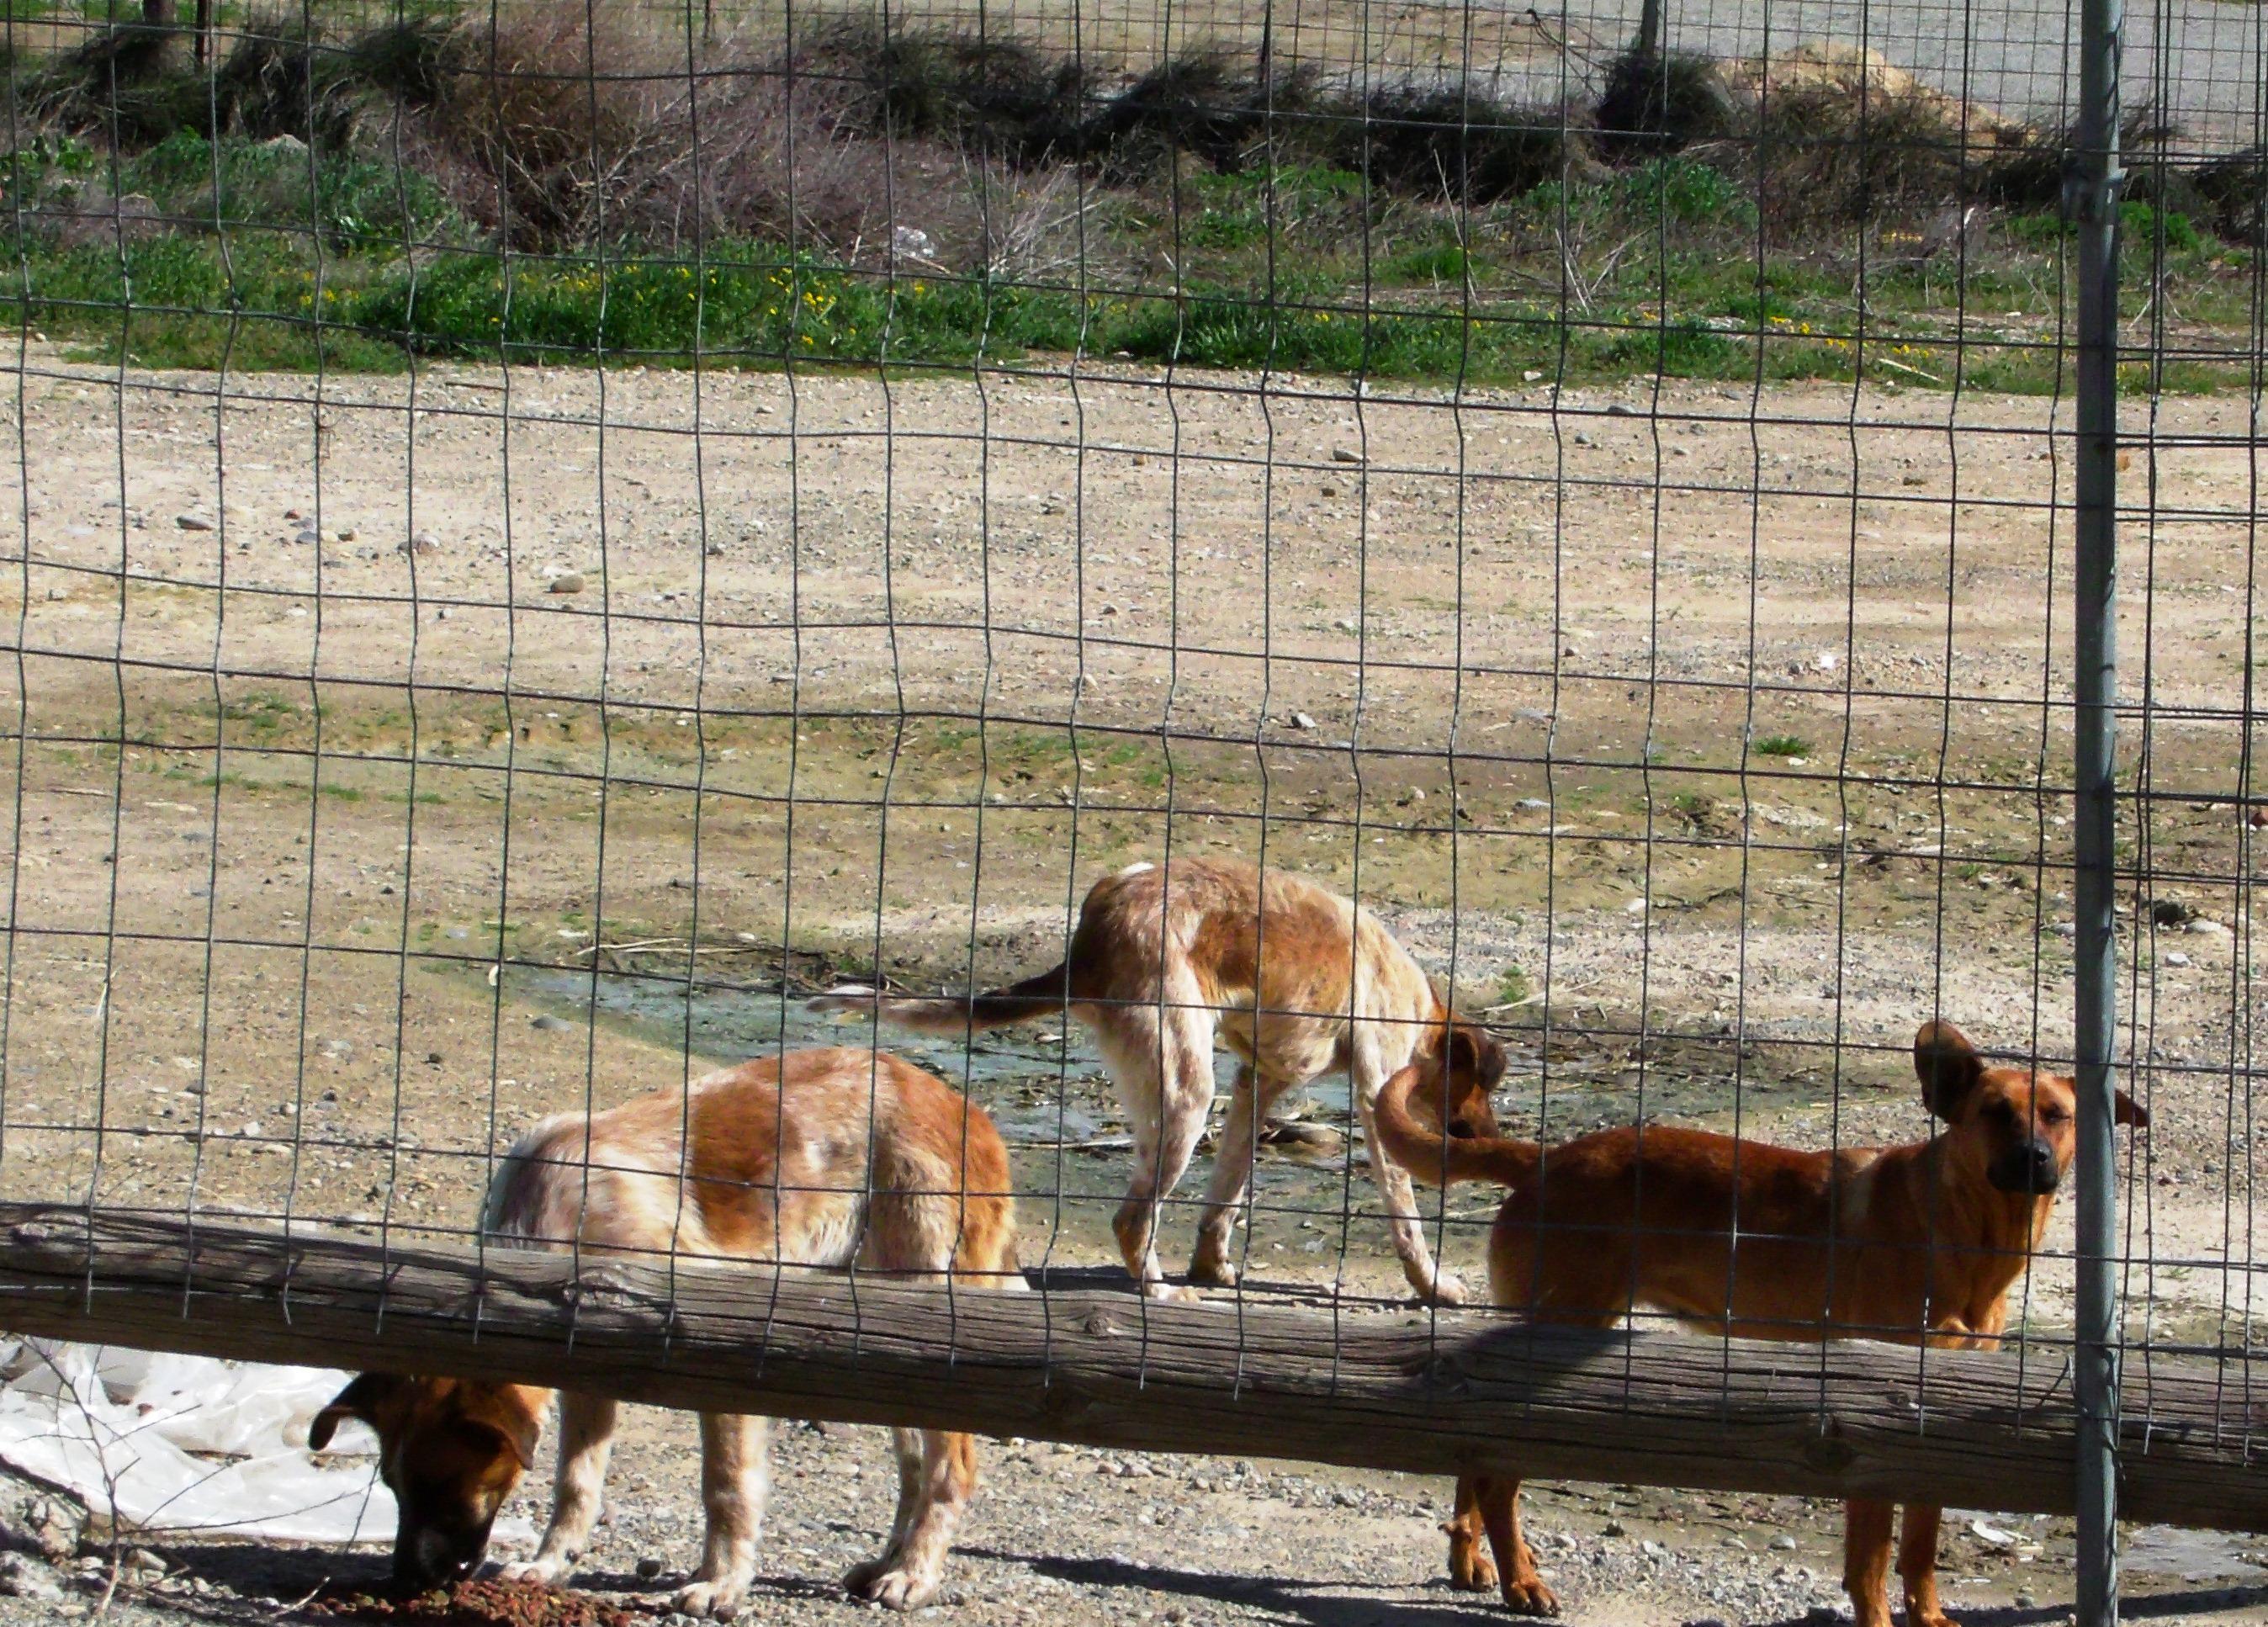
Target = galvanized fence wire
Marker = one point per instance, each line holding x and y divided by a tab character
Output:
708	503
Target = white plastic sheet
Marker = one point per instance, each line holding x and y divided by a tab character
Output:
182	1444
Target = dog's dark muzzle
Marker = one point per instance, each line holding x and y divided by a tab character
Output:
2030	1167
428	1556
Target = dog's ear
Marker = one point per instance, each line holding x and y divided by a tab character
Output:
508	1412
1474	1054
1947	1065
361	1400
2127	1111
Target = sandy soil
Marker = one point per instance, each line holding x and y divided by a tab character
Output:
567	708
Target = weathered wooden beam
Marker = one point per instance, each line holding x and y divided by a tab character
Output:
1375	1389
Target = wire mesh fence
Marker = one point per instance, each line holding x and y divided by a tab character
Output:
547	537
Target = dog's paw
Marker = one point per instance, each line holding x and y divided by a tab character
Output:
1530	1597
716	1601
1215	1270
1171	1294
1447	1288
1471	1573
893	1587
537	1570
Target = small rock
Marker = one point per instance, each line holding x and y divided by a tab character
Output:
1330	490
648	1569
143	1562
193	522
1300	720
1345	455
23	1577
424	542
307	537
1583	438
2025	1601
548	1023
1614	1528
337	1050
571	583
1530	375
2175	957
1784	1543
1621	409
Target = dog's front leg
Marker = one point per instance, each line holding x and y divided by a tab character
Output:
1431	1282
1470	1570
1524	1590
1917	1568
586	1437
735	1480
1866	1559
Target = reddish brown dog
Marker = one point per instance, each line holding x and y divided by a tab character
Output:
819	1158
1916	1244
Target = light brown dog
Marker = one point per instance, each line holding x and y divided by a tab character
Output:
1298	981
1916	1244
819	1158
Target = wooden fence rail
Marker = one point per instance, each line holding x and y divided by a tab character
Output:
1375	1389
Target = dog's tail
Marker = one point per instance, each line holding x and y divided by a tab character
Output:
1442	1159
1038	995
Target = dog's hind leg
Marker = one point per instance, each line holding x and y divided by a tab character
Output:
1232	1175
587	1439
1498	1498
1866	1559
937	1475
1918	1567
1469	1568
735	1481
1163	1064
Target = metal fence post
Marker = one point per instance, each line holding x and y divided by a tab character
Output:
2094	202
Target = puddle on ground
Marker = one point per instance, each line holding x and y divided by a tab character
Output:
1044	1087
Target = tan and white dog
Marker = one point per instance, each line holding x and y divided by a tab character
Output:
1298	981
819	1158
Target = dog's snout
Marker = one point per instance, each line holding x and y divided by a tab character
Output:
430	1557
2029	1167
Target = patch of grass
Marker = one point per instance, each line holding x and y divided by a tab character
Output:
1434	263
1512	986
1783	746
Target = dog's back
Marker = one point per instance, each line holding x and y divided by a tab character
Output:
811	1158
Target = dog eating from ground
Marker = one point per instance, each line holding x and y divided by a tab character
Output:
1914	1244
837	1158
1298	981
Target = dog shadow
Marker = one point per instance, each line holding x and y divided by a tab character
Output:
1320	1602
2132	1606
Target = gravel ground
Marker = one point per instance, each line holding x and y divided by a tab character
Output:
1062	1536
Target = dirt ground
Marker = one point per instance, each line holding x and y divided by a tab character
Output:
1706	740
